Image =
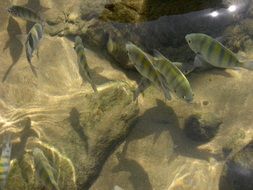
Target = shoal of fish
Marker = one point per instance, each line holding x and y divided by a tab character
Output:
163	73
166	75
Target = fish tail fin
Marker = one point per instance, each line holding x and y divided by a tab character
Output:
7	138
94	87
248	65
34	71
157	54
33	68
142	86
55	185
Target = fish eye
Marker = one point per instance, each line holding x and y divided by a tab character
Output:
189	41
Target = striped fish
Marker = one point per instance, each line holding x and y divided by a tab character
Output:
214	52
84	69
144	66
176	80
5	161
32	42
25	13
44	170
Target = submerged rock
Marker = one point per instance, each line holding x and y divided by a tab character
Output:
90	127
238	171
202	127
144	10
58	110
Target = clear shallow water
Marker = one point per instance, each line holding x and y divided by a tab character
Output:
100	140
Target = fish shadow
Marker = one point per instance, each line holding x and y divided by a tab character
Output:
14	45
160	119
138	176
74	119
27	132
19	148
97	77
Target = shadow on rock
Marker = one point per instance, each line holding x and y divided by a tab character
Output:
138	176
160	119
98	78
74	118
19	149
28	131
14	45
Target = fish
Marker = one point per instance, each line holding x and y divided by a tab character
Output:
25	13
144	66
44	170
5	161
84	69
116	49
176	80
33	38
214	52
32	42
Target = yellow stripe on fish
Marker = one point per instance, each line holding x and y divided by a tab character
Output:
84	69
5	161
214	52
144	66
25	13
176	80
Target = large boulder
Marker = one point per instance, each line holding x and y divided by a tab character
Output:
57	112
144	10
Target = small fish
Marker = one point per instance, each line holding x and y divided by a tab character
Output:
144	66
176	80
5	161
214	52
32	42
25	13
44	170
84	69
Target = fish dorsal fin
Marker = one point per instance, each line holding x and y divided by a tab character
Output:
160	56
157	54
